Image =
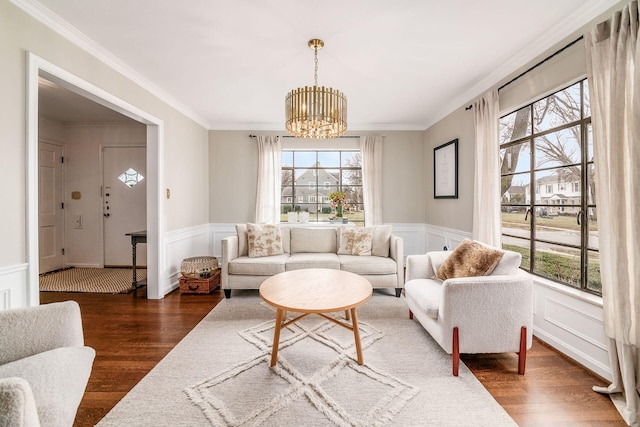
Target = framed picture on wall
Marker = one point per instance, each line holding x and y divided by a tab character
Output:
445	171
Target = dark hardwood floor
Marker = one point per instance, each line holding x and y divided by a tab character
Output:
132	334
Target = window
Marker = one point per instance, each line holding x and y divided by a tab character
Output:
313	175
546	150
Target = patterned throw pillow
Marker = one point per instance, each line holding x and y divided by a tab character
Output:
264	240
355	241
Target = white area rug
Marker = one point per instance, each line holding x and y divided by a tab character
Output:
219	375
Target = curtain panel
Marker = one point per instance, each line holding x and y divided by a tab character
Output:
486	204
269	180
371	148
613	71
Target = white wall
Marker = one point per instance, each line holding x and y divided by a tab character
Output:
183	162
233	159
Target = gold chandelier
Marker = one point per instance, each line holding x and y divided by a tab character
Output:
316	112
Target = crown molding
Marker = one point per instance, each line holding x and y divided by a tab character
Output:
41	13
559	32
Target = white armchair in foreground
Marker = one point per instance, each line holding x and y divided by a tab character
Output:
483	314
44	365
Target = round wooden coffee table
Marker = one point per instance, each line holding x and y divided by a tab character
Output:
319	291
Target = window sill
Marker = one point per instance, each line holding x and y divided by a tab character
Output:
575	293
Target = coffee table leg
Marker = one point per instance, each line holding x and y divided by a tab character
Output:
356	335
347	315
276	336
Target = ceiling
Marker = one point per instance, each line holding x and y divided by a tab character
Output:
403	64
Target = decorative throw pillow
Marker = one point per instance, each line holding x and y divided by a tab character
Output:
381	240
264	240
355	241
469	259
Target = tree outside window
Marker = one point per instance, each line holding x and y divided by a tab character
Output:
548	188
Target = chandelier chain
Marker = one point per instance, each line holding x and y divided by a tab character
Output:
315	76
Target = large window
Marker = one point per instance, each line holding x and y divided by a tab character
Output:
548	191
311	176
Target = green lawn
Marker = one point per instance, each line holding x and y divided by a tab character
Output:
564	268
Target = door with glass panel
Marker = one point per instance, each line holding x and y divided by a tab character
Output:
124	203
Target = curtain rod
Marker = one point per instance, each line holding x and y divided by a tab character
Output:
289	136
541	62
533	67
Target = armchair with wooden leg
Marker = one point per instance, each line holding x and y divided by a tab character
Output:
489	312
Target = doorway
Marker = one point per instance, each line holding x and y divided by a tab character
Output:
38	67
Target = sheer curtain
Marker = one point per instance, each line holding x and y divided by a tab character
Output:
371	148
486	188
613	70
269	180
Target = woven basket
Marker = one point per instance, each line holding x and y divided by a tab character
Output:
198	267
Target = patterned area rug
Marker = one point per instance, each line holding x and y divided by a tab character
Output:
96	280
219	374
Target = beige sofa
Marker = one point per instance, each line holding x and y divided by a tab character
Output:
313	247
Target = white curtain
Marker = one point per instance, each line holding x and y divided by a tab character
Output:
371	148
613	69
486	188
269	180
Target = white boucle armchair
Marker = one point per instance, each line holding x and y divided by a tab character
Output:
486	314
44	365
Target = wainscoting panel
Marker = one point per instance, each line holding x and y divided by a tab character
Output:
441	238
413	236
571	322
13	287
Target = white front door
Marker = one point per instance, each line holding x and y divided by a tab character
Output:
50	210
124	204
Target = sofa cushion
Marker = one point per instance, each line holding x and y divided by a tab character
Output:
381	238
58	379
264	240
313	240
469	259
355	241
367	264
426	294
263	266
243	246
312	260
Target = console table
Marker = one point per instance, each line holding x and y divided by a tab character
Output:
136	237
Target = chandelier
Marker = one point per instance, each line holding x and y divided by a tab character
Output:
316	112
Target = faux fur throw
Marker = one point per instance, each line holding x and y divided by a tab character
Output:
469	259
